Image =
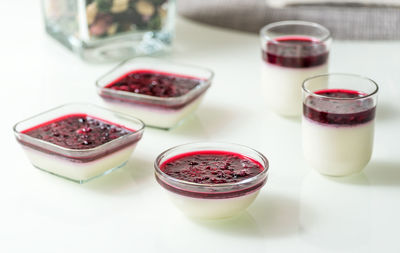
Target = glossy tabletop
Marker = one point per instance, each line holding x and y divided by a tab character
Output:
127	211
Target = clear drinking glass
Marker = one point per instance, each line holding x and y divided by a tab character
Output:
108	30
338	122
291	52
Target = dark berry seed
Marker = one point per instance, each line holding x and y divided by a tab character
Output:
86	142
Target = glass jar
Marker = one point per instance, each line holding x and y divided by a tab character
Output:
110	30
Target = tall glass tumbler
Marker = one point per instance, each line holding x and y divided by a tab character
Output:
292	51
338	122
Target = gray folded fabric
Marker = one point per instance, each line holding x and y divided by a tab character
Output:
282	3
345	22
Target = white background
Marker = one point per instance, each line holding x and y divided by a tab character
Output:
127	211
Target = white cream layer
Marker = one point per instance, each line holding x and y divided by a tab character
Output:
282	86
337	150
154	116
75	170
212	208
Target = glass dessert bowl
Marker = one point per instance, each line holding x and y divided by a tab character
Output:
338	122
211	180
291	51
79	142
160	93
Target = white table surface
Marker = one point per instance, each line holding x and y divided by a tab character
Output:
127	211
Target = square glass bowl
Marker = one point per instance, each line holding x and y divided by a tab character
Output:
79	164
156	111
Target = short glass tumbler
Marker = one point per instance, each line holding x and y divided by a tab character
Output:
291	52
219	198
109	30
338	122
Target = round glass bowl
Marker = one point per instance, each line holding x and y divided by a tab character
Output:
212	200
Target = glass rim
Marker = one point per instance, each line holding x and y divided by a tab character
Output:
264	30
261	175
139	131
361	77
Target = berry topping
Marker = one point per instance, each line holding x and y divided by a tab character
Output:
339	107
154	84
296	52
211	167
77	131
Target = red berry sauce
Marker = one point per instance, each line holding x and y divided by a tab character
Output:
77	131
335	109
158	84
296	52
211	167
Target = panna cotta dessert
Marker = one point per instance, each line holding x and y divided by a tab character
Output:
158	92
291	51
79	141
211	180
338	122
